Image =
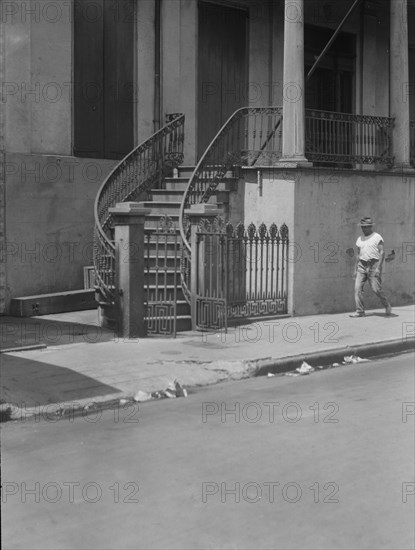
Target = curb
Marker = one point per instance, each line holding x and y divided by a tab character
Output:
366	351
29	347
89	407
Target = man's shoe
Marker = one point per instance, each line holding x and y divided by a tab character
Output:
388	311
355	315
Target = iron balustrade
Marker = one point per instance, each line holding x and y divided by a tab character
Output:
251	136
412	142
342	138
141	170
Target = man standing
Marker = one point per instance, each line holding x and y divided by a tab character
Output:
369	262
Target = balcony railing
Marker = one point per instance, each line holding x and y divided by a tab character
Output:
341	138
412	151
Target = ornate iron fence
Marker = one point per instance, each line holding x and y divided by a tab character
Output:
131	179
344	138
162	277
412	141
241	272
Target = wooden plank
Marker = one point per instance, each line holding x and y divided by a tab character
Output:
59	302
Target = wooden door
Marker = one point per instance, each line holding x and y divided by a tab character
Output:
104	81
222	68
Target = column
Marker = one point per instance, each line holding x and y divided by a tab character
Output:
399	79
293	126
128	220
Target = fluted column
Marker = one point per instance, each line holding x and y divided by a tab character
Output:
293	126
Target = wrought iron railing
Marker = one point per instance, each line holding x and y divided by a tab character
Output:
252	135
412	142
142	169
342	138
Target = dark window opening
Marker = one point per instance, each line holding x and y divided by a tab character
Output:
104	91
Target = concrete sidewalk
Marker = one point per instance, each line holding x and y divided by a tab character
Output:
80	363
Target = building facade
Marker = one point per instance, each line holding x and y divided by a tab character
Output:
84	82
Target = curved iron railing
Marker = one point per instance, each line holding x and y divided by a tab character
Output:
138	172
252	135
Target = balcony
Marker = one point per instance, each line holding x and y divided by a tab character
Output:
348	140
253	137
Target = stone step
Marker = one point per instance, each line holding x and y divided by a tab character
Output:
57	302
156	294
163	208
185	171
179	184
167	195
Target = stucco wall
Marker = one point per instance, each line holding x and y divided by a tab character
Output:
322	209
328	207
49	221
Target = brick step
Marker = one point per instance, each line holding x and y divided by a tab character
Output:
57	302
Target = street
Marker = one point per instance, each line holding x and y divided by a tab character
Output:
318	461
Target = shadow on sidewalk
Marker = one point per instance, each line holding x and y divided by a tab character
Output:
16	332
28	383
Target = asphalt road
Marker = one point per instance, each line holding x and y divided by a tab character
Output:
320	461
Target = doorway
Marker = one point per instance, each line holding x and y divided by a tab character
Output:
223	68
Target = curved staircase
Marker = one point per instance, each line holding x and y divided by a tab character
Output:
144	175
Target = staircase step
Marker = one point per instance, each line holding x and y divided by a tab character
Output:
170	288
163	208
185	171
169	277
57	302
179	184
162	260
167	195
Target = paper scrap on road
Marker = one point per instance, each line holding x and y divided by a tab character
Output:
353	359
142	396
173	390
305	368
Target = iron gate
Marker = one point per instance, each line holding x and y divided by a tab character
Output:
162	259
241	272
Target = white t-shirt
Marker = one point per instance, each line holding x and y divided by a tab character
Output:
369	246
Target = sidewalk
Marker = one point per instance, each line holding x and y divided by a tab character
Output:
76	361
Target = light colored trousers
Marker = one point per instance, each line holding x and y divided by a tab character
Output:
366	271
